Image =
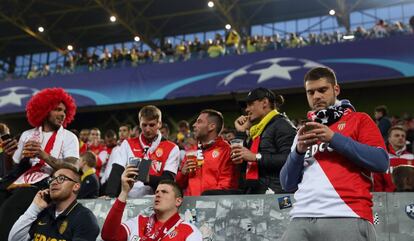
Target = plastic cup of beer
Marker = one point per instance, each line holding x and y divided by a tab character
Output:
191	157
236	142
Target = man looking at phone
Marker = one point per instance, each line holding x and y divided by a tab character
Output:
55	214
41	150
164	224
270	136
150	145
329	166
210	167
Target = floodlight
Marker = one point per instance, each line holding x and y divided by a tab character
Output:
348	37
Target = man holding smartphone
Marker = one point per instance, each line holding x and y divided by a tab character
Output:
330	166
149	145
164	224
41	150
55	214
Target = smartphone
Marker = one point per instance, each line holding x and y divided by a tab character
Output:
134	161
144	168
47	198
5	137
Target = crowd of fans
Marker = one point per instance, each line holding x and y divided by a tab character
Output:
96	148
254	156
231	43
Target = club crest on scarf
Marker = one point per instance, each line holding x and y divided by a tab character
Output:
331	114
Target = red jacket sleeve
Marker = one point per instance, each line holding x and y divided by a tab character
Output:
112	229
229	175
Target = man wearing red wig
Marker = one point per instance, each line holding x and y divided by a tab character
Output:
43	149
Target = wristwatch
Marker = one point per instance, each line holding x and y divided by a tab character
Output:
258	157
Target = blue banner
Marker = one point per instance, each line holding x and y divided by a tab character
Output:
282	69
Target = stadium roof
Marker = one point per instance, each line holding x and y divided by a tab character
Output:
86	22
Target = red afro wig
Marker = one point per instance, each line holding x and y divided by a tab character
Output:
43	102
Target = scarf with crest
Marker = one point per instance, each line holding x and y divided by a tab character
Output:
331	114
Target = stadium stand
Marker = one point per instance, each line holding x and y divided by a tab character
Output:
116	56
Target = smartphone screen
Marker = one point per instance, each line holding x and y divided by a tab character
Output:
134	161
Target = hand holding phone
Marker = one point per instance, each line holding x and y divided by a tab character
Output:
47	197
9	144
42	199
5	137
308	128
134	162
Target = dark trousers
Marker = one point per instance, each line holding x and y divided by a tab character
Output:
12	205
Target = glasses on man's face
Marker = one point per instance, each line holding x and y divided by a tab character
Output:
60	179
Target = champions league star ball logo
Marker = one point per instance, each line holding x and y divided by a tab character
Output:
275	68
409	210
15	95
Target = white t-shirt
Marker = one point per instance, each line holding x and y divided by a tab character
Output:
66	145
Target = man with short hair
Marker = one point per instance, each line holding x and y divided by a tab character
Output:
41	150
124	133
183	133
164	224
94	143
212	169
403	178
83	140
229	134
89	179
110	140
55	214
383	122
398	155
150	144
330	165
165	131
98	148
269	135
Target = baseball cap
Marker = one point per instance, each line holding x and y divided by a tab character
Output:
259	94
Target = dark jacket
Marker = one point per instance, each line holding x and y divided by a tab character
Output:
89	187
75	223
275	144
384	124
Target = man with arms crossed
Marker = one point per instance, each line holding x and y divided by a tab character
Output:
330	166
